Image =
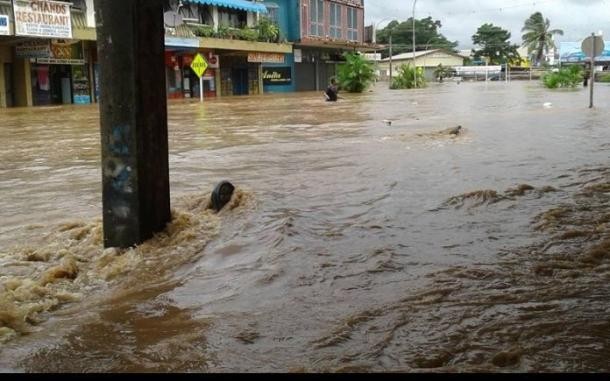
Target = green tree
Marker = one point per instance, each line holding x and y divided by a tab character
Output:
494	43
406	78
356	74
427	35
538	36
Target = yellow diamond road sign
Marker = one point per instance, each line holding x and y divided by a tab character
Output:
199	65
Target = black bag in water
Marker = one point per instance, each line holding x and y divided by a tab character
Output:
222	195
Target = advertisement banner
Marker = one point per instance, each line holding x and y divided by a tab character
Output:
42	18
33	49
277	75
571	52
4	26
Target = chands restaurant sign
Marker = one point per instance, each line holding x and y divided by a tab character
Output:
277	75
38	18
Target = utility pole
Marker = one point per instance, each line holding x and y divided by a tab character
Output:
592	85
391	54
414	66
133	113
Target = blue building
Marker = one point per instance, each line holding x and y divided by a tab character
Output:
321	31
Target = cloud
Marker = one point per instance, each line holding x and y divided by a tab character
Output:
461	18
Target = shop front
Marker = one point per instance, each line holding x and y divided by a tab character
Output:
238	76
277	72
59	72
182	82
314	68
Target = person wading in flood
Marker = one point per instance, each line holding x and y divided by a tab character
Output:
332	92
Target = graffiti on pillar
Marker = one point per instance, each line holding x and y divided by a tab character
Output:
115	166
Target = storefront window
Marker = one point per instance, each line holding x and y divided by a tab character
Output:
81	91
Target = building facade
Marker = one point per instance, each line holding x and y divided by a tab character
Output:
46	52
321	31
251	47
54	61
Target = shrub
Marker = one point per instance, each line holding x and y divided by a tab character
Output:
248	34
406	78
203	31
356	74
268	30
570	77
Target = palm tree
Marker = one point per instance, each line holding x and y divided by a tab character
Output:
538	36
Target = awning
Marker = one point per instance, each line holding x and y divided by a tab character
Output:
243	5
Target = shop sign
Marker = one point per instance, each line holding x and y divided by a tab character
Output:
59	61
277	75
266	58
214	61
4	27
33	49
42	18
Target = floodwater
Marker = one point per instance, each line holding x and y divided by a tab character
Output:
351	245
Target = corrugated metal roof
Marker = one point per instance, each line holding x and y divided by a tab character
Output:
235	4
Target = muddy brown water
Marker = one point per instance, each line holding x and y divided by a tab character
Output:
351	245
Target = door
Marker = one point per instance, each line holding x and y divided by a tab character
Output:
8	83
66	91
305	74
240	81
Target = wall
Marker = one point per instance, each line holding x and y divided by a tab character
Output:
288	18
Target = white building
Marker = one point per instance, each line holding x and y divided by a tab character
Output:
428	59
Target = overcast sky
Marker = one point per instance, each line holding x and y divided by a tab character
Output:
461	18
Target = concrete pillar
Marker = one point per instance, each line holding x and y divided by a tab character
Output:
2	86
218	83
22	80
261	86
215	18
133	111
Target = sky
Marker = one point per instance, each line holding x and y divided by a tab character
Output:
462	18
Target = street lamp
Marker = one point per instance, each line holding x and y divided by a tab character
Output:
414	66
375	42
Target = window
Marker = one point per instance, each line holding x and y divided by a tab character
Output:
273	12
317	18
335	21
352	24
232	18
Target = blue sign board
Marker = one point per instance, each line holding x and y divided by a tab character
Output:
571	52
4	30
